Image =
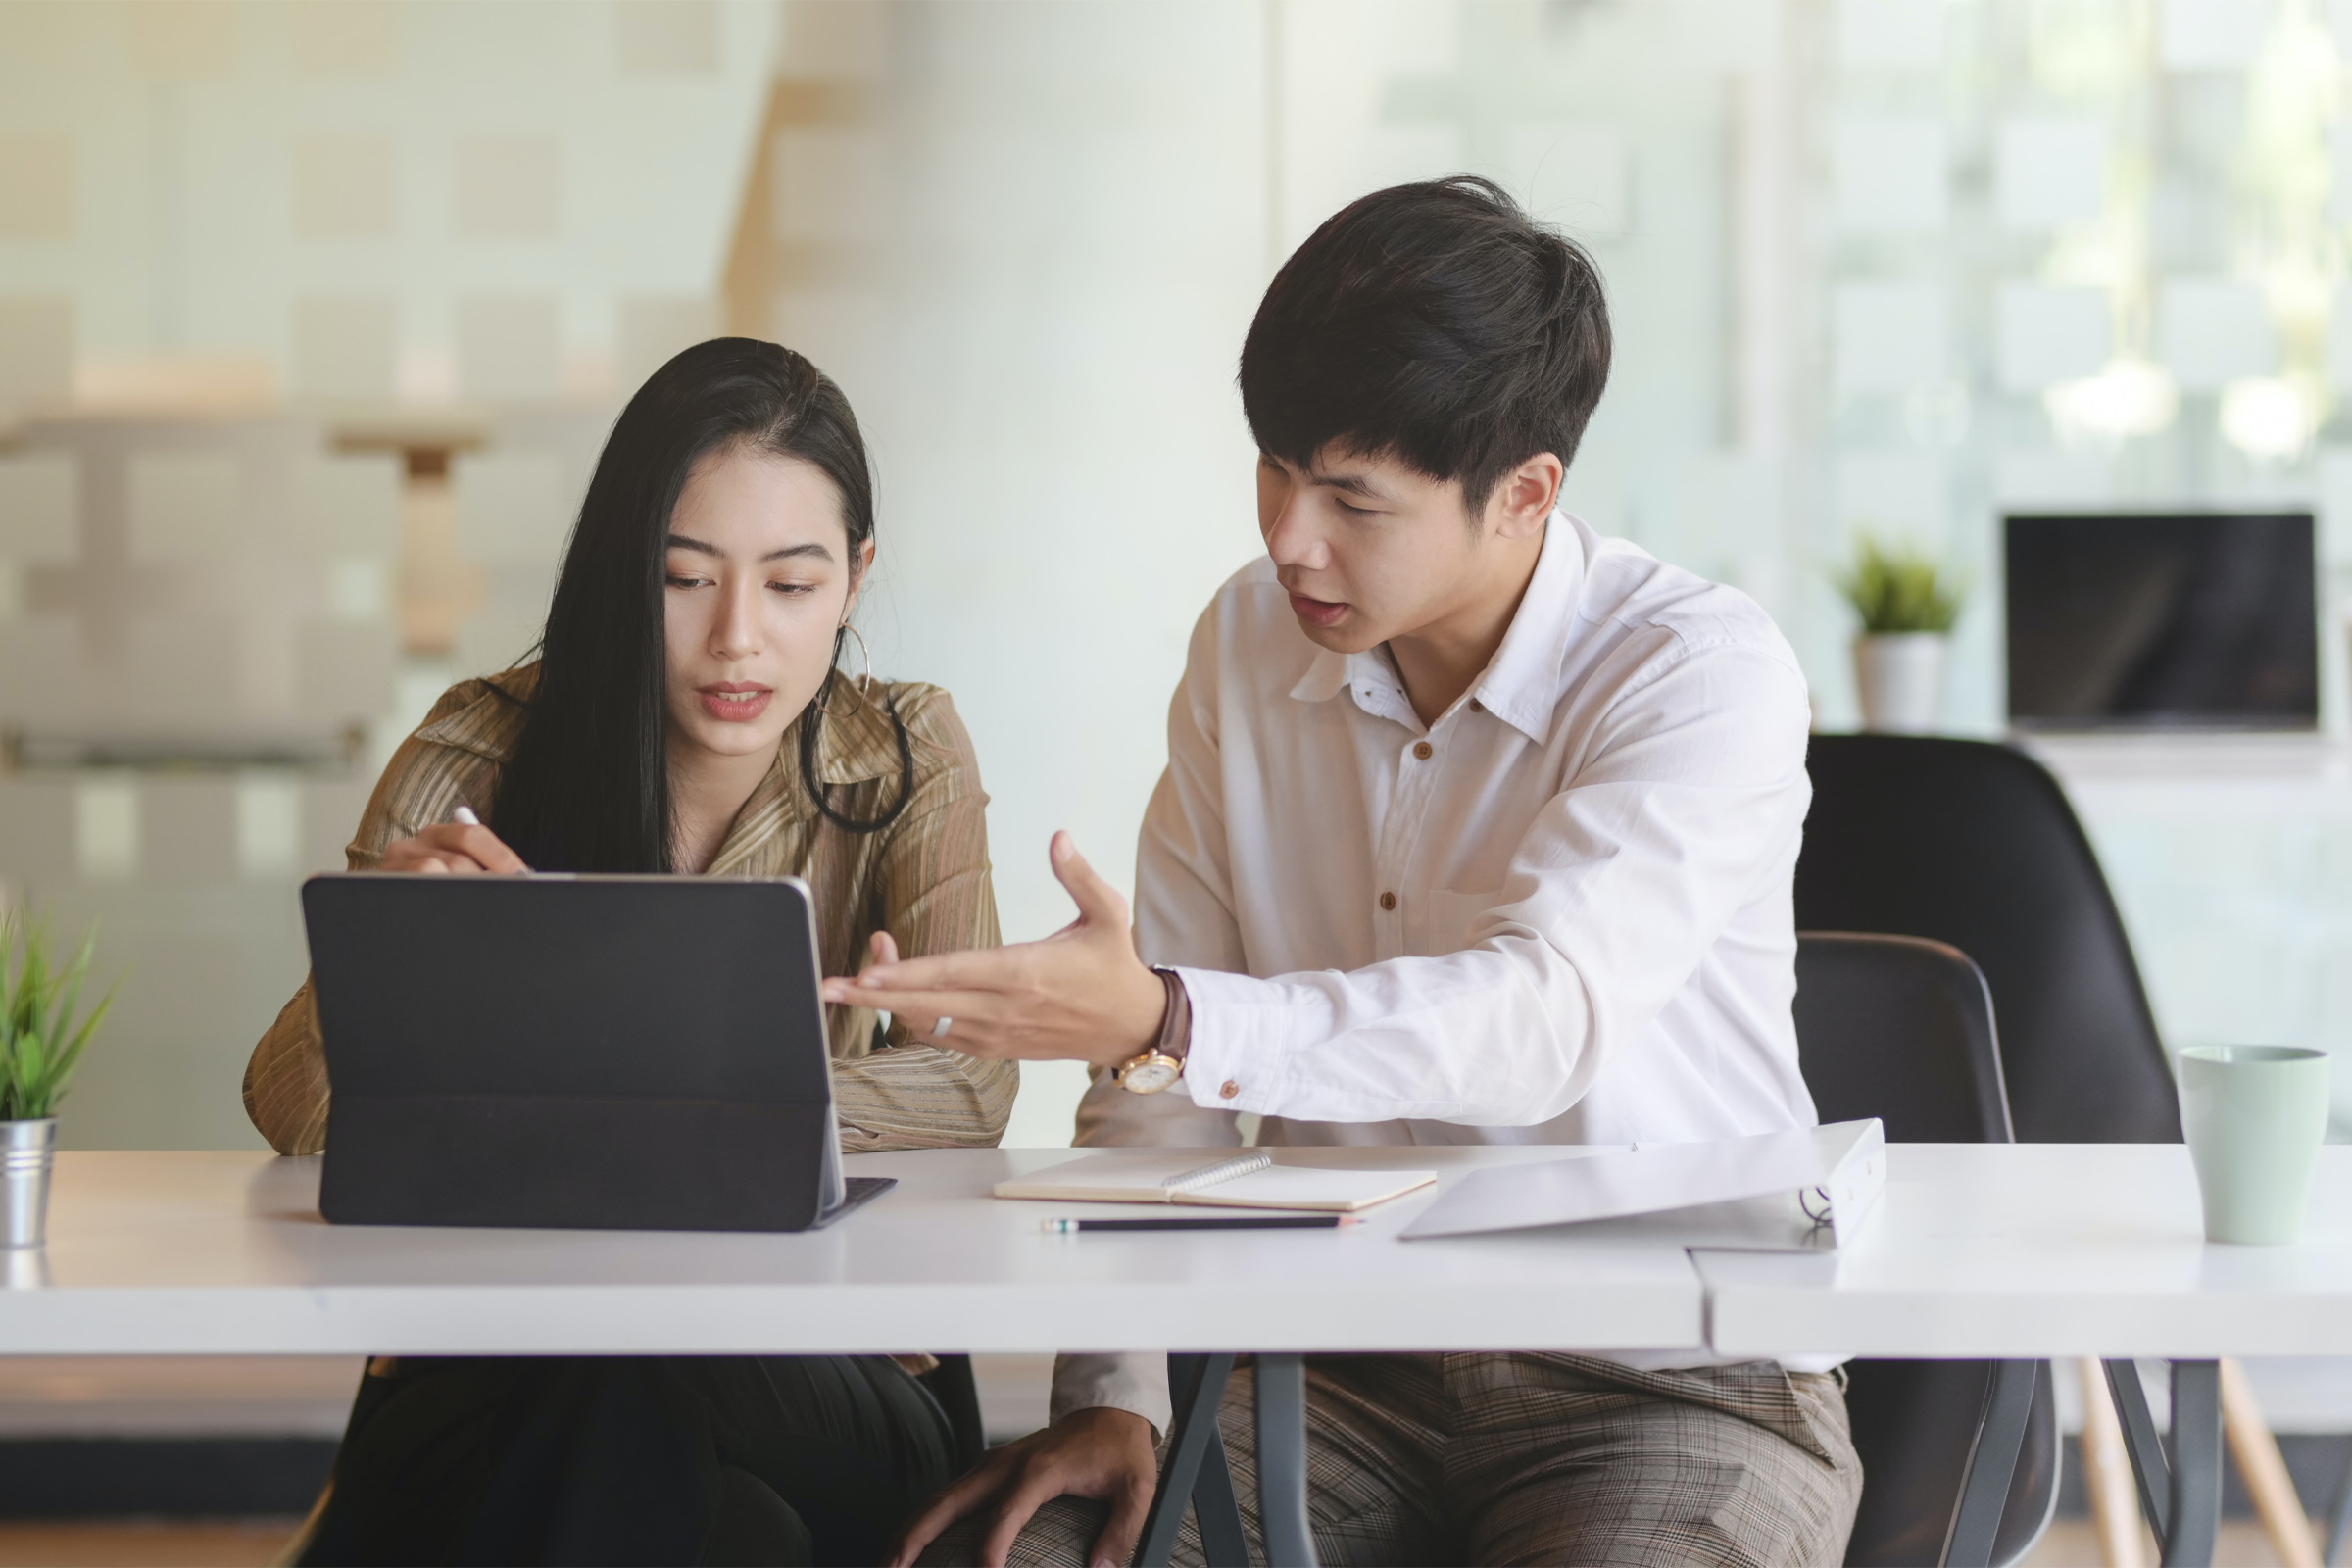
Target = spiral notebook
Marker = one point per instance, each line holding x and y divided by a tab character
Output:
1249	1180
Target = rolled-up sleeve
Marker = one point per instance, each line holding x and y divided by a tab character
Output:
1131	1380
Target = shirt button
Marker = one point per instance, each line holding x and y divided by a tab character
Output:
1477	706
1388	900
1227	1088
1424	751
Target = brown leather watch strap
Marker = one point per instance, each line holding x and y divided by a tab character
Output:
1176	1024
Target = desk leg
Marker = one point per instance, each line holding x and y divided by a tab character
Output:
2141	1442
1282	1461
2340	1523
1197	1383
1984	1495
2180	1494
1222	1540
2196	1511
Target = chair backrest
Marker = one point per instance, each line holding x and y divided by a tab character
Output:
1902	1029
1973	843
1916	1425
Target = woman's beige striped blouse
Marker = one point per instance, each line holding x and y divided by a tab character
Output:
924	878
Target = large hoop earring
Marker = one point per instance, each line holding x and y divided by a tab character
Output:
865	681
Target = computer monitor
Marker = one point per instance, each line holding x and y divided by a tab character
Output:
2206	621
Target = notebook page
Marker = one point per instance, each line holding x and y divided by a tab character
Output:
1137	1178
1312	1188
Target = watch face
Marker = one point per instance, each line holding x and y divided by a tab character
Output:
1150	1077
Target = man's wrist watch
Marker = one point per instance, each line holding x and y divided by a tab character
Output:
1160	1063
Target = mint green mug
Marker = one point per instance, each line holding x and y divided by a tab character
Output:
2255	1116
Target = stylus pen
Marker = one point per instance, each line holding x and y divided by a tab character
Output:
464	814
1269	1222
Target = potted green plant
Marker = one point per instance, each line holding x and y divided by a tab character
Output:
1907	601
40	1044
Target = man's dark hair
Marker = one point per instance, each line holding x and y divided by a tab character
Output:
1435	322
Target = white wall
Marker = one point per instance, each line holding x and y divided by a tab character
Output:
1071	251
226	161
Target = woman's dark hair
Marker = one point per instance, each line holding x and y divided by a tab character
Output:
587	788
1436	322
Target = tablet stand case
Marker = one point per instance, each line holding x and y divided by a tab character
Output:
602	1052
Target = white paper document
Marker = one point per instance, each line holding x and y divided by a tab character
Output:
1793	1191
1247	1180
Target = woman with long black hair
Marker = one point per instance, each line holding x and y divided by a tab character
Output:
684	715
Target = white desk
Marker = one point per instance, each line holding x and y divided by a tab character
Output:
224	1253
2044	1250
2007	1252
2025	1252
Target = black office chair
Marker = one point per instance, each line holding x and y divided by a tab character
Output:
1974	844
1902	1029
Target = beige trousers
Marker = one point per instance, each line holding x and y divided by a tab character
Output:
1535	1459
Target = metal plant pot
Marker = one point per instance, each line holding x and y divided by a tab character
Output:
28	1149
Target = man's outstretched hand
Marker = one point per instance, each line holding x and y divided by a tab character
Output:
1101	1453
1080	995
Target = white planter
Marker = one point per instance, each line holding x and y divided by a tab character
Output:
1900	677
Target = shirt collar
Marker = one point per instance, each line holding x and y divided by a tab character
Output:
1521	685
488	725
1325	674
1367	676
858	741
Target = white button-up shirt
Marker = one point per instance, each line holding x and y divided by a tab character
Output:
1561	914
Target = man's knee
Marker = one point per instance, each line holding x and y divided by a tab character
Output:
1732	1468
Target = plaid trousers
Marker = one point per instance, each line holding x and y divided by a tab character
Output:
1416	1460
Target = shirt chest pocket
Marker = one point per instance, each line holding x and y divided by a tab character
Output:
1441	920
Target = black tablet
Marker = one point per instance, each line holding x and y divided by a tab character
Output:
628	1053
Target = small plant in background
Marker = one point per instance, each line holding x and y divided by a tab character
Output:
1898	590
40	1040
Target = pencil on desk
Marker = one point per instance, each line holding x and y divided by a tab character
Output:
1269	1222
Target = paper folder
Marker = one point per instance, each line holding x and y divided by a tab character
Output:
1800	1191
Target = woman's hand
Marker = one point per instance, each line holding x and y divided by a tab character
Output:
1101	1453
453	849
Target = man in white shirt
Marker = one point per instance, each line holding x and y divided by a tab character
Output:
1477	827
